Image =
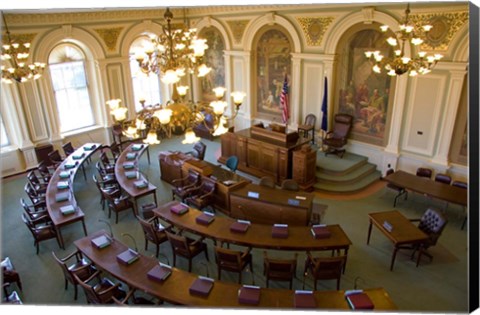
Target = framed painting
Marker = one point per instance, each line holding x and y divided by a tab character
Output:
215	59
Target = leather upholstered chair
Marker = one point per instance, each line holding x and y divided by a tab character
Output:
35	213
198	150
400	190
232	163
431	223
106	188
202	196
267	181
153	232
117	203
68	148
182	187
74	263
290	184
443	178
186	247
336	139
39	185
424	172
279	269
37	199
40	230
463	185
233	260
45	171
100	290
308	126
324	268
55	158
204	130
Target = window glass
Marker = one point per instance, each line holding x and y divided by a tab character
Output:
4	141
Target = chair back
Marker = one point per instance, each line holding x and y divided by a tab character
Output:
148	229
33	179
443	178
200	148
208	186
290	184
228	258
54	156
424	172
328	267
310	120
280	269
460	184
267	181
432	223
30	191
342	126
44	171
179	244
68	148
232	163
66	272
90	293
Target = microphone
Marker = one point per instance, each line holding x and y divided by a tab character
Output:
206	268
133	240
305	274
109	226
166	258
355	282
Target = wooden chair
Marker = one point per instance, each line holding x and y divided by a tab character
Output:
37	200
443	178
39	185
232	260
68	148
267	181
186	247
279	269
100	290
34	213
152	232
199	150
400	190
202	196
107	176
182	187
324	268
74	264
107	164
106	188
308	126
463	185
40	231
424	172
55	158
45	171
431	223
9	274
290	184
118	203
336	139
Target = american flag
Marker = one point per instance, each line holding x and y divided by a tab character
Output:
284	101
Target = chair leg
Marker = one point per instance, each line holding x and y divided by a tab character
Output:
190	265
157	251
75	292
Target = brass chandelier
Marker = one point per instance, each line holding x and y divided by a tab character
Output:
422	63
14	61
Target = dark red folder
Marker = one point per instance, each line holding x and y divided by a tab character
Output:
179	209
304	299
127	257
239	226
320	231
201	286
205	218
249	295
359	301
159	273
280	231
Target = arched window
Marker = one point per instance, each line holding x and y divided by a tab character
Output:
272	64
69	80
145	86
4	141
215	59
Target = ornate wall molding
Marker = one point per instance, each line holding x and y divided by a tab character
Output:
445	26
238	28
314	29
109	36
22	38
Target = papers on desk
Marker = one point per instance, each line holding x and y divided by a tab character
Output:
78	156
320	231
64	174
140	184
304	299
229	182
179	208
160	272
89	147
358	300
131	156
249	294
387	226
201	286
280	230
66	210
101	241
205	218
62	185
128	165
137	147
240	226
127	257
70	165
64	196
131	174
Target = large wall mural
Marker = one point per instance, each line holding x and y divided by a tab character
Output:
215	60
273	62
363	93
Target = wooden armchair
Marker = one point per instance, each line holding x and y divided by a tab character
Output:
443	178
33	212
118	203
68	148
40	186
279	269
153	232
55	158
202	196
198	151
325	268
100	290
308	126
40	231
104	188
186	247
74	264
182	187
233	260
45	171
424	172
336	139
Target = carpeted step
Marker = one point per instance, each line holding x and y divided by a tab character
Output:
352	176
334	165
348	187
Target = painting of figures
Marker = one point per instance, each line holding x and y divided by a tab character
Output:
215	60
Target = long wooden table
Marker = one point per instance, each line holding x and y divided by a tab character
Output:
258	235
75	160
128	184
403	232
429	187
175	289
272	205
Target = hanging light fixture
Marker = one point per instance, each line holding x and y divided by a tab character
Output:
14	61
173	53
401	63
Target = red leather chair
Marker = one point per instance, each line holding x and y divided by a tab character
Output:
336	139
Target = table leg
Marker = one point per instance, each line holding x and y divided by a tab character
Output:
393	257
84	227
346	257
155	198
369	232
148	155
135	206
84	174
60	237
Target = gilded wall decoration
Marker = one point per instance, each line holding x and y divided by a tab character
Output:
109	36
21	38
238	28
445	26
314	29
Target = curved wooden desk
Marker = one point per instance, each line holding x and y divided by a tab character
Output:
128	184
71	164
175	289
257	235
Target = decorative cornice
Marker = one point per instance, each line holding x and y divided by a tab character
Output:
21	38
238	28
314	28
445	26
109	36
